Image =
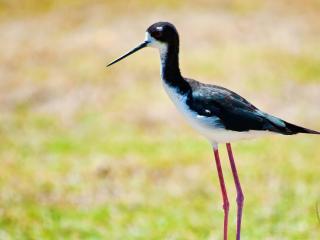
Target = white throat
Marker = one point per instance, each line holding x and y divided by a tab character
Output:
162	47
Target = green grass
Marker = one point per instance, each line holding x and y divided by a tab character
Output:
101	179
90	153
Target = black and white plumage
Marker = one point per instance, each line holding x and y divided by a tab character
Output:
216	112
219	114
223	116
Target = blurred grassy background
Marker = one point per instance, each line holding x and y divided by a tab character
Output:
84	157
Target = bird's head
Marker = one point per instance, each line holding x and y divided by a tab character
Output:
162	33
159	35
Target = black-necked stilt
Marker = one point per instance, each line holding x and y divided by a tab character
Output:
219	114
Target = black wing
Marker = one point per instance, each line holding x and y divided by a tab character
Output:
235	113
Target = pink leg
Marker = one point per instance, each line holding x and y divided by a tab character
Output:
224	193
240	197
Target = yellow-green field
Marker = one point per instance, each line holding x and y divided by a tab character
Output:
93	153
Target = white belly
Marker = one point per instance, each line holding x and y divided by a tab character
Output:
208	126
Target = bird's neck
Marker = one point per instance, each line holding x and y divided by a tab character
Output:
170	71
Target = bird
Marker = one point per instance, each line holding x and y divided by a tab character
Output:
219	114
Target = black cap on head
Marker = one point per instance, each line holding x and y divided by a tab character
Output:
164	32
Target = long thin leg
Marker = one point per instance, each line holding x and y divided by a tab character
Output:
224	193
240	197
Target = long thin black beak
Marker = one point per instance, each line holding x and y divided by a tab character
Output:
142	45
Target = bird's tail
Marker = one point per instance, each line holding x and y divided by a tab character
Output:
294	129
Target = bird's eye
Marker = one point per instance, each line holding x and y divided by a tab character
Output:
157	34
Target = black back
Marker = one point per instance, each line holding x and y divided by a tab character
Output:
235	112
